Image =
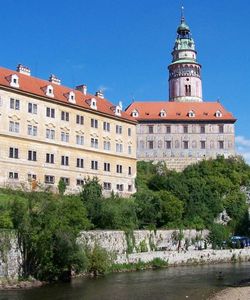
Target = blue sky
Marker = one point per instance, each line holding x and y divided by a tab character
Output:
124	46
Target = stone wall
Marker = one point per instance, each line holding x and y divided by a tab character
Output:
174	258
10	255
136	241
145	245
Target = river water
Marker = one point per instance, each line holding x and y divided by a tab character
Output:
175	283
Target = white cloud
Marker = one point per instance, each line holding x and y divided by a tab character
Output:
243	147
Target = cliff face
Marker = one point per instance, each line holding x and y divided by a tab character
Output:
10	255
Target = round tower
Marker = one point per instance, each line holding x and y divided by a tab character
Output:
184	72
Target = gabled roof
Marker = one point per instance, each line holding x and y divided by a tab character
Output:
178	111
35	86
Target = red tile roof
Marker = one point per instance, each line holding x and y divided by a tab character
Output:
33	85
178	111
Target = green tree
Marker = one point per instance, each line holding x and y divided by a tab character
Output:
61	186
148	208
91	196
171	209
47	228
218	235
118	213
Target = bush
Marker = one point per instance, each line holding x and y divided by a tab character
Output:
99	261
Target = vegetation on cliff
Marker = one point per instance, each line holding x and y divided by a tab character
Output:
47	224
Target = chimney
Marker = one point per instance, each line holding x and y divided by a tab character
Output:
23	70
99	94
82	88
54	79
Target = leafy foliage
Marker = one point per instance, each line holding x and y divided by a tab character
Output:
201	192
47	227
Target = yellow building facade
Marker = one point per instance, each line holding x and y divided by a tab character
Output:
50	132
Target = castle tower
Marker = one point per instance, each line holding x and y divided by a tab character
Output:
184	72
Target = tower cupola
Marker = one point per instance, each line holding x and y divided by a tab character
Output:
184	72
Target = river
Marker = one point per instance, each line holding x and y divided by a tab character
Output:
175	283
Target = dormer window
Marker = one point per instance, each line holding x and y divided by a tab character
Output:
93	103
71	97
191	114
118	111
49	91
14	81
135	113
218	114
163	113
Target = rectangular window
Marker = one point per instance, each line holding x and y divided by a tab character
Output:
119	169
118	129
94	123
32	155
150	145
64	116
32	130
130	188
14	104
106	167
168	144
185	129
119	187
221	144
13	152
203	145
94	143
106	126
168	129
64	137
150	129
119	147
221	128
185	144
13	175
79	139
107	186
80	182
79	119
31	177
64	160
49	179
65	180
202	129
80	163
50	158
50	134
129	131
50	112
32	108
14	126
94	165
106	145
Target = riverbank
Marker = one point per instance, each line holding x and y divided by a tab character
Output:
15	284
237	293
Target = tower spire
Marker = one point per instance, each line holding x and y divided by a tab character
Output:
182	14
